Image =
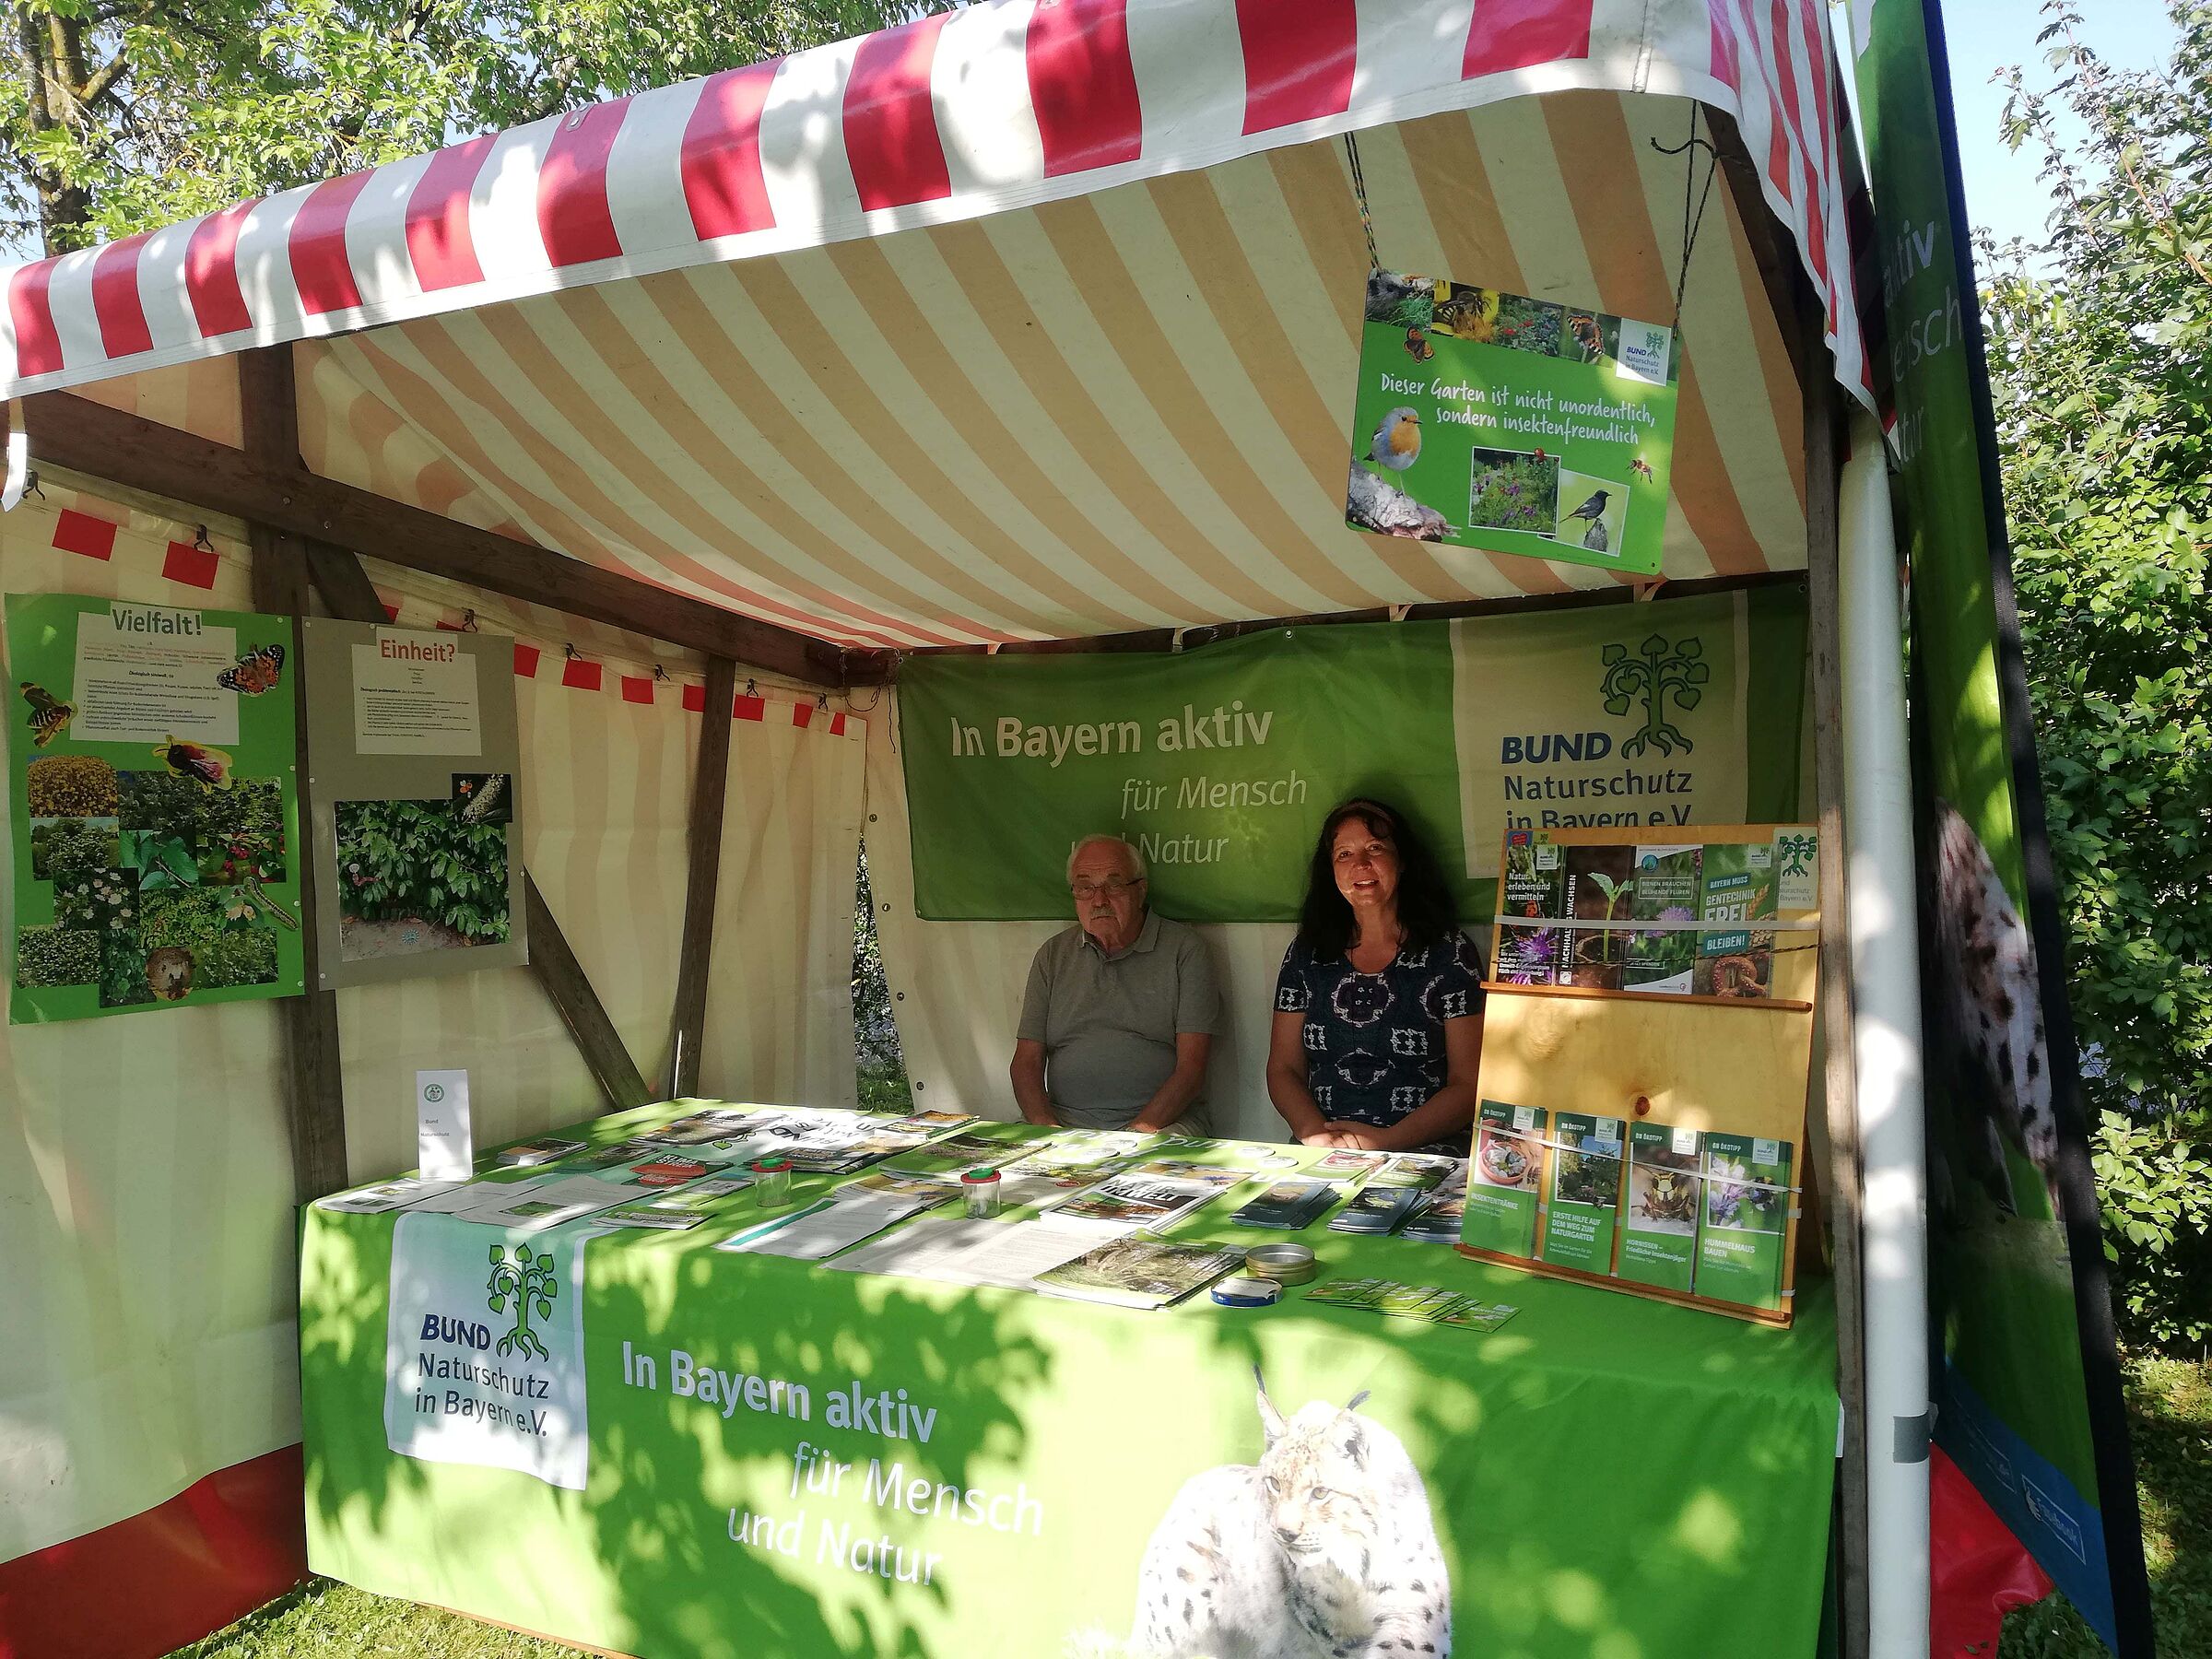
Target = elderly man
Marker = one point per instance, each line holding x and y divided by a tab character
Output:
1121	1010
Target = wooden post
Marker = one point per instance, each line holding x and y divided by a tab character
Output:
1823	464
581	1009
316	1104
709	787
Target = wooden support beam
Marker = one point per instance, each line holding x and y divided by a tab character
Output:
710	785
1823	464
316	1100
581	1009
349	595
275	489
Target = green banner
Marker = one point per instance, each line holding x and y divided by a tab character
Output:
2027	1379
150	790
744	1457
1220	763
1492	420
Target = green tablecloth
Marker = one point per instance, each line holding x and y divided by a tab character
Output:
1607	1476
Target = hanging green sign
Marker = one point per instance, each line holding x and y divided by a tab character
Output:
151	792
1492	420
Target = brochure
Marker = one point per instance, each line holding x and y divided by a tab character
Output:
981	1152
537	1204
1666	890
1533	892
1347	1293
1220	1177
1585	1193
385	1196
1344	1164
955	1251
1600	885
1503	1177
618	1152
524	1154
648	1215
1129	1201
1426	1302
1744	1220
1139	1273
1658	1234
1426	1170
898	1184
1070	1151
702	1195
1440	1217
1289	1204
823	1229
1736	882
1375	1209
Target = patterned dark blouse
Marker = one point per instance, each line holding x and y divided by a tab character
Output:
1375	1041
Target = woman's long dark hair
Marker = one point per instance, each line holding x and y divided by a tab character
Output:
1325	924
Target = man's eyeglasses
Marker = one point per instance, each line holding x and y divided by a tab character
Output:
1113	886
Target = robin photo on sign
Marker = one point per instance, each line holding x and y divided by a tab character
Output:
1492	420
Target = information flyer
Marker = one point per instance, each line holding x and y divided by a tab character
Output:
150	780
1492	420
416	744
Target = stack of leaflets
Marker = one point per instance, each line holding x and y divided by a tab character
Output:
856	1212
980	1150
1376	1209
1735	885
1530	941
1744	1221
656	1217
1289	1204
1346	1164
1427	1303
955	1251
1423	1170
1658	1231
1135	1201
385	1196
1587	1167
1599	887
1139	1273
1502	1179
1667	892
1440	1217
550	1149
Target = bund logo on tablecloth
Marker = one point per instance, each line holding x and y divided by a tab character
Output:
506	1392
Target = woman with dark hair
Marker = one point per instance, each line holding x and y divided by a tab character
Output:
1378	1010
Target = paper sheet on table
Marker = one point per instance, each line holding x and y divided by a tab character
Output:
831	1227
959	1251
552	1200
451	1199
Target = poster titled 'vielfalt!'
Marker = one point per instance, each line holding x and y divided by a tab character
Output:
1514	425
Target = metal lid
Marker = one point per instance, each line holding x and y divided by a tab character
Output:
1285	1263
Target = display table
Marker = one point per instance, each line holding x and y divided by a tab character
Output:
769	1458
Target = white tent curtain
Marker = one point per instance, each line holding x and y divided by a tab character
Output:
146	1331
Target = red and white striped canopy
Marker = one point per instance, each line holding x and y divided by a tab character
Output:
739	337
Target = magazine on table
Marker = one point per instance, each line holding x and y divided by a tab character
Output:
386	1195
546	1149
1423	1170
1347	1164
979	1151
653	1216
1139	1272
534	1204
1088	1152
1129	1201
841	1221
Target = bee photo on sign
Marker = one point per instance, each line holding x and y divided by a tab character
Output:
485	798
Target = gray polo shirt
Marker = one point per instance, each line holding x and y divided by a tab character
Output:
1109	1023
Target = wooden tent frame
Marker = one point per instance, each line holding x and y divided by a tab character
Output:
308	534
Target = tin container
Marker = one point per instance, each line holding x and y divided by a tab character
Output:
1285	1263
979	1193
1244	1291
771	1181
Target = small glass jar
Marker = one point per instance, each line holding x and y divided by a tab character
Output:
978	1191
772	1181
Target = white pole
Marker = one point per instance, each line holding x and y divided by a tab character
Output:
1885	962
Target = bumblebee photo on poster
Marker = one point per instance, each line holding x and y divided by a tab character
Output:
1492	420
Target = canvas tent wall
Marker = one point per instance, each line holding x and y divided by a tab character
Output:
1028	323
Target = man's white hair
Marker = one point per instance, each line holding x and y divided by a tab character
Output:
1136	859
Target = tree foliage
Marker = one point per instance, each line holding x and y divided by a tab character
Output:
121	115
2100	360
2101	363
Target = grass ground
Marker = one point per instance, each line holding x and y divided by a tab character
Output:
2169	1405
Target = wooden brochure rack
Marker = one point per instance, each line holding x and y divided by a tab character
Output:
1738	1065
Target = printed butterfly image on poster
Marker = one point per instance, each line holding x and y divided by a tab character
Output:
49	715
257	671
